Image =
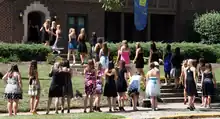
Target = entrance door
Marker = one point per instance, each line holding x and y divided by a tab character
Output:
35	21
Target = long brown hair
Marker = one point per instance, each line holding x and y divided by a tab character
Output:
105	48
90	65
33	68
14	68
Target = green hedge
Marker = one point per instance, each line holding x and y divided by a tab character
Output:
23	52
189	50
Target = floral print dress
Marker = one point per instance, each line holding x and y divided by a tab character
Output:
99	82
90	82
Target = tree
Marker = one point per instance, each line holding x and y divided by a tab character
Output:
112	5
208	26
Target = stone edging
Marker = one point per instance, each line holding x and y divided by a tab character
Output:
191	116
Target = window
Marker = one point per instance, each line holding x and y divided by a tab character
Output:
76	22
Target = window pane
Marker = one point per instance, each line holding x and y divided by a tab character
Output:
71	20
80	24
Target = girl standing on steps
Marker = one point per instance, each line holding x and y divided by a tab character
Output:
208	84
72	47
82	48
201	69
90	84
97	49
167	64
99	85
13	89
182	77
153	85
190	84
34	87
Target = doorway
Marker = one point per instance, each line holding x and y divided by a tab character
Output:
35	21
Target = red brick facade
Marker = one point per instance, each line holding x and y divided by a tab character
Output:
12	28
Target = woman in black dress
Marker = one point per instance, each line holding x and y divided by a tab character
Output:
97	49
82	49
53	33
45	31
122	84
190	84
154	54
56	87
110	85
208	84
200	70
139	59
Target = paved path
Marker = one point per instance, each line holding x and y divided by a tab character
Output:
146	113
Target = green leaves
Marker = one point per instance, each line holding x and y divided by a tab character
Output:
208	26
112	5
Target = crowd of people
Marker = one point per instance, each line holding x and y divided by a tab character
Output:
102	71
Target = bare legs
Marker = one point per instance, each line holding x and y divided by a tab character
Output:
134	102
34	101
12	106
82	57
153	101
96	102
191	100
90	102
167	77
69	53
56	105
9	105
121	101
111	102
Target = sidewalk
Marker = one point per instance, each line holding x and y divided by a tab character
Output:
170	109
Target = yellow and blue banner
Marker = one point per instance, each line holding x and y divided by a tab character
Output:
140	14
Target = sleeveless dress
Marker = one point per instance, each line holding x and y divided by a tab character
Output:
45	35
134	85
90	83
73	44
12	89
56	86
154	57
99	82
190	83
208	85
110	86
121	82
167	63
34	87
153	87
125	57
82	48
104	60
140	60
67	87
53	37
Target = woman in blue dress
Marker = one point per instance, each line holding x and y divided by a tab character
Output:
104	56
167	63
72	46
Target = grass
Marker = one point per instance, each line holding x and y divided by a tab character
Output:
70	116
43	68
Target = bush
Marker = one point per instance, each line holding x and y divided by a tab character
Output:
23	52
208	26
189	50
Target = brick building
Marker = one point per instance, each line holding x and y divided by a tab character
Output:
168	20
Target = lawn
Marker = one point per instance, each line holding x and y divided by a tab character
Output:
43	68
70	116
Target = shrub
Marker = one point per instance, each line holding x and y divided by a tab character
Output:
208	26
189	50
23	52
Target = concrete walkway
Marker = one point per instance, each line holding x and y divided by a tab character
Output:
170	109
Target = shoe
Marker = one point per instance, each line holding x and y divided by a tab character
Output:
34	113
185	101
85	111
95	108
68	111
110	110
47	113
115	109
91	111
62	111
56	112
98	109
137	104
122	109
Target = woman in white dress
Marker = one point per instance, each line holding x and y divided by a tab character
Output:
153	85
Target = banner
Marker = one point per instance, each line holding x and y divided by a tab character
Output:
140	14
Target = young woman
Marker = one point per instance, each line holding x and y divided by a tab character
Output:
45	32
167	63
99	85
110	90
182	77
125	55
154	54
200	70
58	37
56	87
93	42
90	84
53	33
97	49
122	84
119	55
13	89
72	47
190	84
82	48
139	59
66	74
208	84
34	87
104	56
134	89
176	61
153	85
